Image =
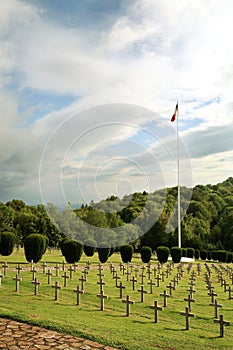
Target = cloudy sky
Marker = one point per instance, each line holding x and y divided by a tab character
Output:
88	88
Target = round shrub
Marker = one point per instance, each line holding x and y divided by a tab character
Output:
229	257
103	250
209	255
34	247
197	254
176	254
190	253
7	242
184	252
146	253
222	256
162	254
126	252
89	247
72	251
214	255
203	254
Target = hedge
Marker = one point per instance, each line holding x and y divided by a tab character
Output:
126	252
34	247
146	253
7	242
162	254
176	254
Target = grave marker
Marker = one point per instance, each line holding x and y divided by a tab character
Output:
49	274
66	277
187	315
36	285
121	289
142	291
133	280
78	291
165	296
222	323
57	288
17	280
156	309
102	297
189	300
128	303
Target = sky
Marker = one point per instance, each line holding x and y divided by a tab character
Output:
88	88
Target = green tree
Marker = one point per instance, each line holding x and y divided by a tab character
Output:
162	254
7	242
34	247
126	252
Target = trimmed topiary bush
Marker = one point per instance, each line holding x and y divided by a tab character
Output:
103	250
72	251
229	257
184	252
146	253
197	254
7	242
126	252
90	247
162	254
190	253
34	247
214	255
222	255
176	254
203	254
209	255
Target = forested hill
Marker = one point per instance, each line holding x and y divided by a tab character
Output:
147	218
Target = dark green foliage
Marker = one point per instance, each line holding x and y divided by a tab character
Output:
162	254
103	252
146	253
7	242
215	255
176	254
62	245
34	247
229	257
197	254
72	250
126	252
222	256
190	253
184	252
90	247
203	254
209	255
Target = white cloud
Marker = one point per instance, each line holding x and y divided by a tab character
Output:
153	54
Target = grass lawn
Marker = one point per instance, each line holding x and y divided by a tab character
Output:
111	326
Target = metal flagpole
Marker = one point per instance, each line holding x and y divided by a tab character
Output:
178	176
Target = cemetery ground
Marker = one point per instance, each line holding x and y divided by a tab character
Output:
197	281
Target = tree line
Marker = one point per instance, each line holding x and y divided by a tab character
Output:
144	219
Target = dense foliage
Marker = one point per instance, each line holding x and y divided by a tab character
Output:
176	254
34	247
162	254
146	253
71	250
126	252
142	219
7	242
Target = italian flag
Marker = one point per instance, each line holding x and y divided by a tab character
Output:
173	118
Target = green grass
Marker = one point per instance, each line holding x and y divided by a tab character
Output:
111	326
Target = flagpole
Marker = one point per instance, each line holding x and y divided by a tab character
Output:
178	179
